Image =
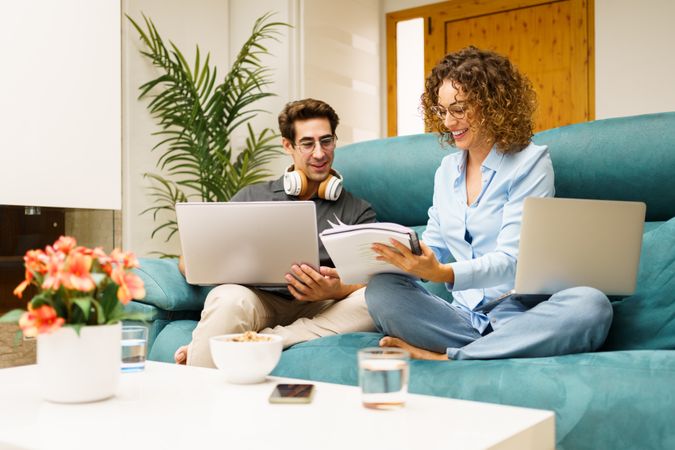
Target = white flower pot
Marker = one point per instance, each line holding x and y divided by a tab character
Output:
77	369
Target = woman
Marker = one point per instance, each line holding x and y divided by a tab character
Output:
483	106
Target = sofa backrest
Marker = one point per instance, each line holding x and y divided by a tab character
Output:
628	158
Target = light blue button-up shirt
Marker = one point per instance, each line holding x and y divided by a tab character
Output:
483	237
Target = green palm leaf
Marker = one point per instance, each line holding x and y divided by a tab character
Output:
197	117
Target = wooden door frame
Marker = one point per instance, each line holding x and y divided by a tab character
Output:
583	10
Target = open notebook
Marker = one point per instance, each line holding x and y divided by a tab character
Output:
349	248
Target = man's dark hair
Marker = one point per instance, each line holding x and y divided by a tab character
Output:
306	109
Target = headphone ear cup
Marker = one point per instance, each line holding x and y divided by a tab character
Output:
330	188
303	182
295	183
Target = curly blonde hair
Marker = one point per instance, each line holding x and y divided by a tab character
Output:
500	100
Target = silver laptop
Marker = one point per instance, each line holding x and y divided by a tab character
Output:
571	242
253	243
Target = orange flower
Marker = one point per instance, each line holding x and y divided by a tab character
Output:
40	320
65	244
103	259
130	285
18	291
54	273
76	272
127	260
64	272
36	261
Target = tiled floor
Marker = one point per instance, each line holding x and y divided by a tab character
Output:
14	350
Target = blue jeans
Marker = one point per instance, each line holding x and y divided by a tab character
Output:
574	320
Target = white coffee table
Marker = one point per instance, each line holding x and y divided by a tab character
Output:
169	406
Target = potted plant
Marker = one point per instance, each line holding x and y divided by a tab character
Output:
76	317
198	117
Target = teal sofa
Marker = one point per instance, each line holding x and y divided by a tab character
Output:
620	397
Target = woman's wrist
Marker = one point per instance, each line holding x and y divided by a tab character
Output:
445	274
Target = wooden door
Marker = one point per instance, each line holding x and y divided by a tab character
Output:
550	41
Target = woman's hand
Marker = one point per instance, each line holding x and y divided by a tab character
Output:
307	284
424	266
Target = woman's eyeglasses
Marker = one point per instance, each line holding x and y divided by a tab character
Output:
307	145
456	110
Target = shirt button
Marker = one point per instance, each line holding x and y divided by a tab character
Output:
493	320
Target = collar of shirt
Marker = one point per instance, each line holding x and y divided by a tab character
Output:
492	161
278	185
489	167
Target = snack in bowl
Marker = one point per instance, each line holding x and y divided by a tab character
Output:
246	357
250	336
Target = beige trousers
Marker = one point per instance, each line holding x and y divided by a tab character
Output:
232	308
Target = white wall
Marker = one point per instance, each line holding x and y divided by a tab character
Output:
60	115
398	5
341	63
634	57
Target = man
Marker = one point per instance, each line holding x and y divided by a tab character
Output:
315	303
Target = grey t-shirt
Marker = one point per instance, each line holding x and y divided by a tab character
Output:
349	209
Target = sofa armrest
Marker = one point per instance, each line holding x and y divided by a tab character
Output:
166	288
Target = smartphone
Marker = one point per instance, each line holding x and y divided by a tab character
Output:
292	393
415	247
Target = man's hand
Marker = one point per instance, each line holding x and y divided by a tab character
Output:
425	266
307	284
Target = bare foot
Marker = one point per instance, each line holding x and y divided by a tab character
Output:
415	352
181	355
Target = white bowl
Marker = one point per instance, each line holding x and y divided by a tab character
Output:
245	362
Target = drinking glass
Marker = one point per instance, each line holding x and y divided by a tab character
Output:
134	343
383	377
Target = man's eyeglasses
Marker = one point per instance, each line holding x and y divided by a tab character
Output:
456	110
307	145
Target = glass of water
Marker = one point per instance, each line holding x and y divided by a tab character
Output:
383	377
134	342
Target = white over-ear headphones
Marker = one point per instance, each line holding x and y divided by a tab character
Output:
295	183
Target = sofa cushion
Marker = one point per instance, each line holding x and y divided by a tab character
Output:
646	319
401	193
649	226
623	158
171	336
166	288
